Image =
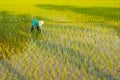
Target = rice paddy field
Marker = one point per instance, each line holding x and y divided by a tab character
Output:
80	40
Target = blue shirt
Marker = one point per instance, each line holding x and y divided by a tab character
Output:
35	23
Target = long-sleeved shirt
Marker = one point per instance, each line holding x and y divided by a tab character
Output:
36	23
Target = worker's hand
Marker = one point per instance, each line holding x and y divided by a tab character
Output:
40	30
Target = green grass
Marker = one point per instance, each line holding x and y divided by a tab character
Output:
79	41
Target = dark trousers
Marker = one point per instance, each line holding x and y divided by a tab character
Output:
33	27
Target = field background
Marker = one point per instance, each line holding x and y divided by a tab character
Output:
79	41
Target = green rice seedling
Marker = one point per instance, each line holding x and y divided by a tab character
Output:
78	41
